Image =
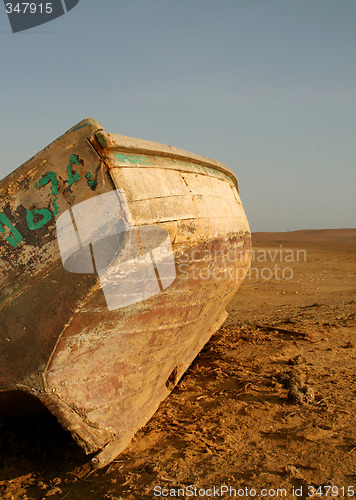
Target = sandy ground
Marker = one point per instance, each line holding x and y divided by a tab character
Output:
267	408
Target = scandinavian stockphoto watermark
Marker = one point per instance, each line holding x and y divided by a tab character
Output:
26	15
266	264
98	236
134	263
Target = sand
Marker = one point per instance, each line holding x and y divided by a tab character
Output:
267	408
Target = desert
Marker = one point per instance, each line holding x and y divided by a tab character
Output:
265	410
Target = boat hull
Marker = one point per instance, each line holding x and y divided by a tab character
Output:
104	372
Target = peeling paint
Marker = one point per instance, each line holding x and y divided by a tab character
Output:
50	177
133	158
16	237
73	176
46	217
92	183
60	326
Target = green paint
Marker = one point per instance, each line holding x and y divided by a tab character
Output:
46	214
80	125
85	123
50	177
16	237
135	159
91	183
73	176
101	140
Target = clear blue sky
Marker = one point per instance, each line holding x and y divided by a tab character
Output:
267	87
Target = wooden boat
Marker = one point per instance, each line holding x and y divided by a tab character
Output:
103	372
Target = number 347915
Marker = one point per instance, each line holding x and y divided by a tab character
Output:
29	8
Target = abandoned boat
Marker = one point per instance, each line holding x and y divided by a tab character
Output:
118	257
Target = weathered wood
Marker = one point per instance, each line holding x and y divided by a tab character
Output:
104	372
282	330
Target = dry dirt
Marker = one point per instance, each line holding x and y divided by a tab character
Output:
268	404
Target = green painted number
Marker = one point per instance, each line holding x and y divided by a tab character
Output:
16	237
91	182
52	178
73	176
44	212
46	217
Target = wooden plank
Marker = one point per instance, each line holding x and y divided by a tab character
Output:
104	372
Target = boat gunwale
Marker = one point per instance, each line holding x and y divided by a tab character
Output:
111	143
126	144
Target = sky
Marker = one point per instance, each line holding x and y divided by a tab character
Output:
267	87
